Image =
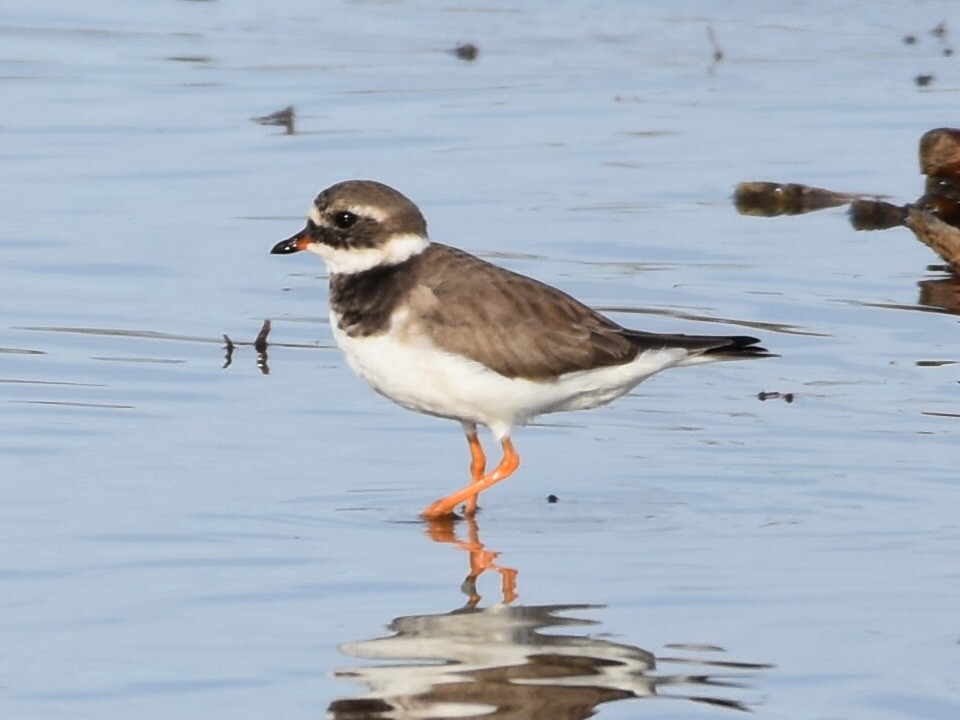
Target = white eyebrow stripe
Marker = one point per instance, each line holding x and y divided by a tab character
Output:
371	211
368	211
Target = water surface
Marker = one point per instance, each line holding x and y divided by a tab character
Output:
184	539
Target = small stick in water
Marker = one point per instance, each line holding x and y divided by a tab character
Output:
260	345
228	358
717	52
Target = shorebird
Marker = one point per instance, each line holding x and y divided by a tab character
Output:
442	332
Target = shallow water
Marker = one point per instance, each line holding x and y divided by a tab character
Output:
184	539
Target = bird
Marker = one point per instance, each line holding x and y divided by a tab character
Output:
440	331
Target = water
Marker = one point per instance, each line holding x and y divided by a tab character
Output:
182	539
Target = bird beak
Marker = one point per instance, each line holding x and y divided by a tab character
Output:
292	244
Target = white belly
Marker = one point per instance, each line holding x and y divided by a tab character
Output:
420	377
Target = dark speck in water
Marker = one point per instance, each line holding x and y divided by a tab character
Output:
923	80
467	51
552	499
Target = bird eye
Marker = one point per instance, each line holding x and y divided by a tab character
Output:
344	219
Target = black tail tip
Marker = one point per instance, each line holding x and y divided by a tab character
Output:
744	346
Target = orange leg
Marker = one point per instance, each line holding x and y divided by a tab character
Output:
478	466
478	461
446	506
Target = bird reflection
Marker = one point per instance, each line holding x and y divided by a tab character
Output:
497	663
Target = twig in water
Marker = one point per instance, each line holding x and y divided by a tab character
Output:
717	52
228	358
260	345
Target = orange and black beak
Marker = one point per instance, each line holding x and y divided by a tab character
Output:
293	244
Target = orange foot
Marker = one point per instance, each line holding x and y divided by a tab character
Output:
446	506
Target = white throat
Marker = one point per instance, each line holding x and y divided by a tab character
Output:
347	261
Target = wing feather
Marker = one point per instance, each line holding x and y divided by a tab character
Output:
515	325
522	328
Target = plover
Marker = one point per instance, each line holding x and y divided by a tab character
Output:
443	332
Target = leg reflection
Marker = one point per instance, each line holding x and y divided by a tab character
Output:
444	530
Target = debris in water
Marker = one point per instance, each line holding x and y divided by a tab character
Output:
875	215
769	199
775	395
940	237
717	51
940	152
934	217
260	345
467	52
285	118
228	358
